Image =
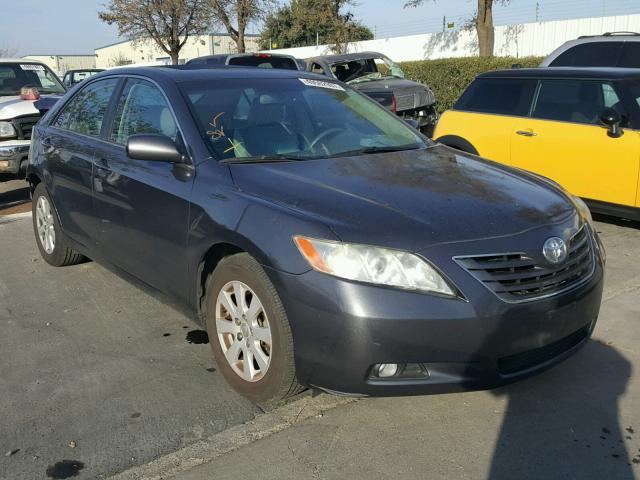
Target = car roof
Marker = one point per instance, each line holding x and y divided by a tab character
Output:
19	60
180	73
347	57
85	70
565	72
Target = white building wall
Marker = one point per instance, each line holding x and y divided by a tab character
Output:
61	63
513	40
147	52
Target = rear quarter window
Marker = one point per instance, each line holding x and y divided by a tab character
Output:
498	96
630	55
590	54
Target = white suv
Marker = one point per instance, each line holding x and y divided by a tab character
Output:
613	49
22	82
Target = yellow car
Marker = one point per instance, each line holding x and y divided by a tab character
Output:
577	126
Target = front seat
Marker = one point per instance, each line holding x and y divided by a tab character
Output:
267	133
589	105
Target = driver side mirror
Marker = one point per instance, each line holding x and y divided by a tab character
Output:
154	147
612	119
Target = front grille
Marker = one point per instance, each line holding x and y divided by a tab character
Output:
405	102
517	277
520	362
424	98
24	126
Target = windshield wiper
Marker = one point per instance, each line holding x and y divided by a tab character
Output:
265	159
372	150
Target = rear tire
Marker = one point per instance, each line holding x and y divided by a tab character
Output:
246	321
50	239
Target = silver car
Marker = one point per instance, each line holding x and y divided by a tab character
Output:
612	49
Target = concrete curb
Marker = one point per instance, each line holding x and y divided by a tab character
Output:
13	217
205	451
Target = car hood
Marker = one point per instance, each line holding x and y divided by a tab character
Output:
410	199
384	84
13	106
408	94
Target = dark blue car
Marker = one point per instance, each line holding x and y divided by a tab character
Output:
319	239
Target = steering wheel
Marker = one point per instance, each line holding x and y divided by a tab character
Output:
321	135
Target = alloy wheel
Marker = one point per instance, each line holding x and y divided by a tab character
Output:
45	225
243	331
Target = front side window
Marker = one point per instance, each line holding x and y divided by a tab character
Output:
84	113
500	96
299	117
590	54
15	76
577	101
142	108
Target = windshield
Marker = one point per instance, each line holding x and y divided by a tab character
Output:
15	76
366	69
298	118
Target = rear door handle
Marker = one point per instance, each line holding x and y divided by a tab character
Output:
526	133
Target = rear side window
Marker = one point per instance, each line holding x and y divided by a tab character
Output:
85	111
576	101
264	61
142	108
590	54
630	55
498	96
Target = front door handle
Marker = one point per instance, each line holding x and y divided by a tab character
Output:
526	133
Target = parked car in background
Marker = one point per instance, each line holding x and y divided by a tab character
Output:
72	77
22	82
380	78
260	60
613	49
320	239
579	127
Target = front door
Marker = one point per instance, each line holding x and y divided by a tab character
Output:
142	207
565	141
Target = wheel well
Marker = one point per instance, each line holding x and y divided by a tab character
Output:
206	267
33	180
458	143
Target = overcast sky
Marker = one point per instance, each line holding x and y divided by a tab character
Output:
73	27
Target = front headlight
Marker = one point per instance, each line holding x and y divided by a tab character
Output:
369	264
7	130
582	207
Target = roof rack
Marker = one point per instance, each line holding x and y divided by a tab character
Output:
613	34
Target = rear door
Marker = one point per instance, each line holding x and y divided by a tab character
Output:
142	207
565	141
68	145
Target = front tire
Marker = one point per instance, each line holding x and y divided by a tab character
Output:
249	332
49	236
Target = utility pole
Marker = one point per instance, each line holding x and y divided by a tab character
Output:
537	11
444	23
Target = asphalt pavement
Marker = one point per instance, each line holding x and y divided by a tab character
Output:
96	375
100	378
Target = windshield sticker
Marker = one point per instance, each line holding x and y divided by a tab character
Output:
218	131
31	66
321	84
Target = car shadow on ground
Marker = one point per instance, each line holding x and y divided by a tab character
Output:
564	424
16	199
621	222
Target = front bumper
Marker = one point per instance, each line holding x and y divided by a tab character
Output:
12	154
341	329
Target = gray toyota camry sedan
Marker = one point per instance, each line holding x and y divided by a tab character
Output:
319	239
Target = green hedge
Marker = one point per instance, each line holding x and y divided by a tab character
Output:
448	77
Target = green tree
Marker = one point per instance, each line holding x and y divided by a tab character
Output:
305	22
483	23
167	22
236	15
